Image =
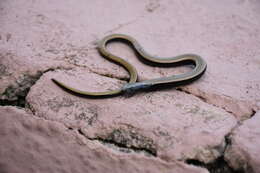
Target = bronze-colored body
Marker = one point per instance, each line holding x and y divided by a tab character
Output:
200	67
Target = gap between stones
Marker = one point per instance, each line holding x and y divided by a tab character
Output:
203	99
15	94
219	165
120	146
206	101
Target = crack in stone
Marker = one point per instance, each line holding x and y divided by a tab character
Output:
219	165
205	100
253	113
228	139
119	26
109	75
15	94
109	142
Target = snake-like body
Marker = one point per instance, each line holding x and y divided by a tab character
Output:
196	72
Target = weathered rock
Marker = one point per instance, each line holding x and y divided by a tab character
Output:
42	39
30	144
243	151
18	74
226	35
166	124
36	38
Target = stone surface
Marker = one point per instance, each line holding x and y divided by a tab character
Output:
225	34
30	144
34	34
40	40
243	152
164	123
18	73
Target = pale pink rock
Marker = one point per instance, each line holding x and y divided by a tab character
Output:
226	34
164	123
243	151
30	144
18	74
38	37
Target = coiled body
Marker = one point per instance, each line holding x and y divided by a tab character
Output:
132	85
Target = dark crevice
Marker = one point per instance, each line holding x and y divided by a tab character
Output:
120	146
218	166
15	94
79	131
253	113
70	128
19	102
228	140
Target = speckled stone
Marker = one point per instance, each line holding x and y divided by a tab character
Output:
166	123
40	40
30	144
44	35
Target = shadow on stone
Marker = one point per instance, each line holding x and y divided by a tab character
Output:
218	166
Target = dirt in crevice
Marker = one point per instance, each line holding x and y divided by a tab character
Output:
121	146
15	94
218	166
253	113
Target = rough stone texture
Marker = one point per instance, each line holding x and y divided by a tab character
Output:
164	123
34	34
45	39
18	73
243	151
226	34
30	144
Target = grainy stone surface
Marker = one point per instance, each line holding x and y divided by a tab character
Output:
226	34
40	40
165	123
30	144
243	151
